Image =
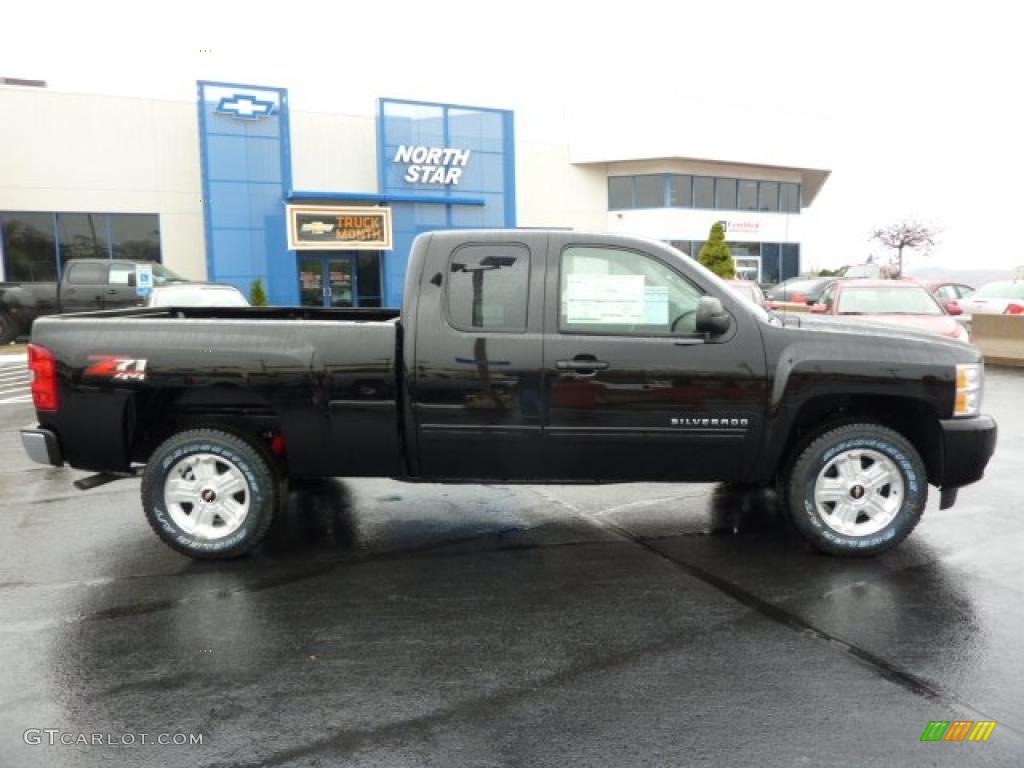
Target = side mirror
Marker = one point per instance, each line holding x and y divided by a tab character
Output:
131	279
819	309
953	308
712	318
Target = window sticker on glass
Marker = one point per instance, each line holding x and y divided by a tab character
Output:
656	305
596	298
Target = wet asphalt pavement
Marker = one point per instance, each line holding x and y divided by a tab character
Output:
390	624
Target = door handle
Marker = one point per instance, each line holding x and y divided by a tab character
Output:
582	367
111	291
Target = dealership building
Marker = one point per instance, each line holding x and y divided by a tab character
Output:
323	207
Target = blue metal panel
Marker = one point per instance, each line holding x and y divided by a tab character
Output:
376	197
246	164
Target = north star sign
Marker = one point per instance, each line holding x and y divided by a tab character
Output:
432	165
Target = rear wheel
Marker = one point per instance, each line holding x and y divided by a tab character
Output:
858	489
210	494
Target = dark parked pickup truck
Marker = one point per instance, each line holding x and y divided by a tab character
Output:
521	356
86	285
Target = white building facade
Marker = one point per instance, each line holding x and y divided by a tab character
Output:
239	185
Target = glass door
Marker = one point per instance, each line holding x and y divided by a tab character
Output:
339	282
332	280
311	281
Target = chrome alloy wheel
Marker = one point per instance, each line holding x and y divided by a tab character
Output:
859	492
207	496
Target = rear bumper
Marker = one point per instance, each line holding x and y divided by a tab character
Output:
967	445
42	446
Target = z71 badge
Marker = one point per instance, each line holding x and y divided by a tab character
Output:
117	368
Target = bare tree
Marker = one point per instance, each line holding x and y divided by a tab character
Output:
906	234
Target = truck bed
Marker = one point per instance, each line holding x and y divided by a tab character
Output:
322	377
244	313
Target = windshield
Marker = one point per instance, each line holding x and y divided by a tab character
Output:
1011	289
198	296
886	300
162	275
861	270
794	287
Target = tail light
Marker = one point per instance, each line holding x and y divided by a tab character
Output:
799	298
44	378
1014	309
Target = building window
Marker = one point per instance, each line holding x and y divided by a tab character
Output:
135	236
620	193
680	191
725	194
768	196
649	191
368	279
789	197
685	191
769	262
29	247
83	236
38	245
488	288
703	192
790	260
748	196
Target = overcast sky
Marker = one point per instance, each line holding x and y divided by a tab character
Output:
914	106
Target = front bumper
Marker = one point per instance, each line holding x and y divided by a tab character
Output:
967	445
42	446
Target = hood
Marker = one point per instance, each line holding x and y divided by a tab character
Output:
943	325
876	326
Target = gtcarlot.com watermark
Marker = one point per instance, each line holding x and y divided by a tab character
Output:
56	737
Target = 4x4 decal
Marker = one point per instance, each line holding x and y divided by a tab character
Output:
117	368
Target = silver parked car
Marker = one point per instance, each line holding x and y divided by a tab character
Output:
196	295
1004	297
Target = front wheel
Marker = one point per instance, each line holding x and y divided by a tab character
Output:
857	490
210	494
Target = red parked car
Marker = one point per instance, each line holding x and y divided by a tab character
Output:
889	302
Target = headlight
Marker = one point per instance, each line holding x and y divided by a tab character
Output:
969	378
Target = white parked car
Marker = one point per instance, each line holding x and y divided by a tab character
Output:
1004	297
196	295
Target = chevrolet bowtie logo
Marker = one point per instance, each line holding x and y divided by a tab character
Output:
245	107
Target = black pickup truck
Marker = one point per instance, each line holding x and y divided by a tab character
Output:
87	284
518	356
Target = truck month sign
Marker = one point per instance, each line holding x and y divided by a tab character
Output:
329	228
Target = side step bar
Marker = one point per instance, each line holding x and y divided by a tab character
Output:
95	481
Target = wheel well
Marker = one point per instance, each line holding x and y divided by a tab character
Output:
916	420
158	415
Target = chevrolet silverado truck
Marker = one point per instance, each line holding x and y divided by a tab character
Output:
85	285
518	356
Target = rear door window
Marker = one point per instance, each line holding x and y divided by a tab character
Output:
488	287
87	274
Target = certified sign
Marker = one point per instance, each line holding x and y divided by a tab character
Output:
328	228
